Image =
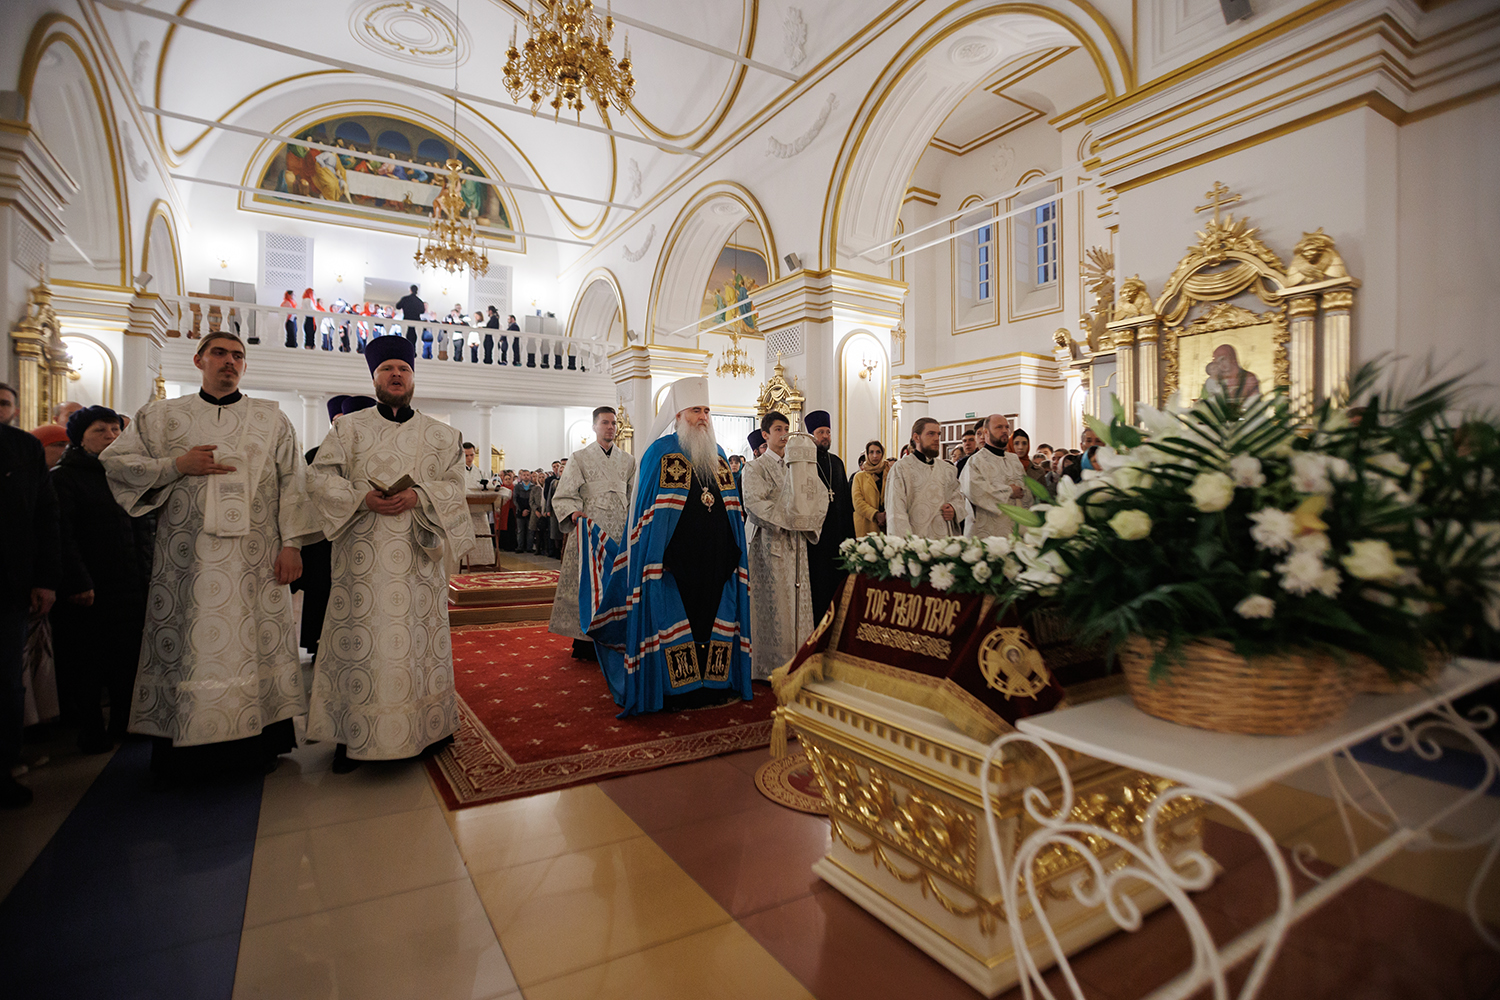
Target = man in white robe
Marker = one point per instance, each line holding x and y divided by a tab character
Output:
781	607
474	474
219	678
596	483
993	476
383	683
921	490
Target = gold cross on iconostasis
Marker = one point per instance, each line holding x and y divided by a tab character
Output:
1218	196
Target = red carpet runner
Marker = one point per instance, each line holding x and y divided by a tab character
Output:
533	719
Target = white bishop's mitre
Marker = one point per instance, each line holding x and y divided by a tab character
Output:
681	395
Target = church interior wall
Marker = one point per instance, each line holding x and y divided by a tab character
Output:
1449	248
1338	174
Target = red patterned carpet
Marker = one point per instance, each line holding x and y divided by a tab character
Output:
532	719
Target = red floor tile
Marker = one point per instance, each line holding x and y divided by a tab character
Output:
687	793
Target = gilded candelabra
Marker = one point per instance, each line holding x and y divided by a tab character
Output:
735	362
450	242
566	55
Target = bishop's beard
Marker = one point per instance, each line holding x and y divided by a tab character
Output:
702	449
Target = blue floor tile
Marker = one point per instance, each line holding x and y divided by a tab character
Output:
140	893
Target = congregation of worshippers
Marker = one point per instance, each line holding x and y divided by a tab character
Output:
155	558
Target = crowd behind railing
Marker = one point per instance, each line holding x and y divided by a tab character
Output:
344	327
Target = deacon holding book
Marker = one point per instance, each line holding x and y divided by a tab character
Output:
670	615
596	484
219	680
388	485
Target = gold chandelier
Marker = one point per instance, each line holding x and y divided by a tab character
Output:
735	362
566	55
450	242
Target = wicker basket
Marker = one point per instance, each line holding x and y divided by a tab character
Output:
1215	688
1371	678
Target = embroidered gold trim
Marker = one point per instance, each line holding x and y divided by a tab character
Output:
676	472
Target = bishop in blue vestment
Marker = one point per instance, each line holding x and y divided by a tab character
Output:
669	612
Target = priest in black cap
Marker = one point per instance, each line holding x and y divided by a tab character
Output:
757	443
388	486
824	576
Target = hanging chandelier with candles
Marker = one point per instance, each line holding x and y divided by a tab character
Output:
735	362
567	56
450	242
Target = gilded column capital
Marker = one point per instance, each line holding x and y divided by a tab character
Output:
1342	298
1303	305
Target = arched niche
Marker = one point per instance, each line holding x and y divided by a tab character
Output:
942	63
690	251
68	106
864	394
92	380
598	312
160	255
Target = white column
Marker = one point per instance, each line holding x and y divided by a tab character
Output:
314	418
482	439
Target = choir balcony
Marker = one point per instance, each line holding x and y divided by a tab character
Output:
283	352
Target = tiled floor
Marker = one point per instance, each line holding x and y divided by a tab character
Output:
683	882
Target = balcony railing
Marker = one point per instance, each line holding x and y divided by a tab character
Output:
267	329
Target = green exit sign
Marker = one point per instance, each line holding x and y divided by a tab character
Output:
969	414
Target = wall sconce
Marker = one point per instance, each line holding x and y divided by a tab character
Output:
223	262
339	278
868	367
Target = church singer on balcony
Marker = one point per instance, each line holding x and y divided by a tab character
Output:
670	615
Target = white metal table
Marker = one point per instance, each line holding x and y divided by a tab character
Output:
1220	768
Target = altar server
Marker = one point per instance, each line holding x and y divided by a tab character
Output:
383	683
596	484
991	477
671	615
838	523
219	679
786	526
921	490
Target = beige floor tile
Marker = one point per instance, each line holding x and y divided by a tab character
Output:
329	866
435	943
308	757
721	963
1280	809
298	801
23	834
567	913
541	826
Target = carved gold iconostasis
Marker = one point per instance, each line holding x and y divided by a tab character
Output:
42	363
1231	317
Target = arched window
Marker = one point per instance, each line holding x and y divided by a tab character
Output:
393	142
353	133
432	149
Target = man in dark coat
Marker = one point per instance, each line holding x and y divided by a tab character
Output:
824	575
411	308
317	559
28	581
106	571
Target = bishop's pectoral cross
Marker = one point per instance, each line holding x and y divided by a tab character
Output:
1218	196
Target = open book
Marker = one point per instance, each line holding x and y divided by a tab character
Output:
400	485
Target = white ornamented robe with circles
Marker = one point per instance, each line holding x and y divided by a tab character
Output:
383	680
781	610
915	491
988	481
598	486
219	649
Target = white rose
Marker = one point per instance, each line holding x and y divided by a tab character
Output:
917	547
1246	471
941	576
1011	567
1130	478
997	546
1211	491
974	553
1371	559
870	556
1310	473
1131	524
1273	529
981	572
951	548
915	568
1064	521
1256	606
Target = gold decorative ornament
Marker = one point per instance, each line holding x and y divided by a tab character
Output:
776	393
1315	259
1011	664
1134	299
451	243
624	430
566	55
42	362
1099	279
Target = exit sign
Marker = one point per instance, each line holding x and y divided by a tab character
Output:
969	414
